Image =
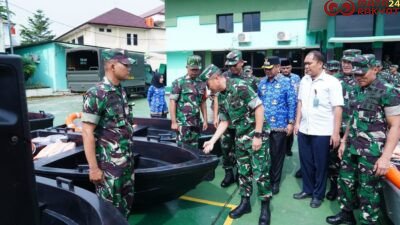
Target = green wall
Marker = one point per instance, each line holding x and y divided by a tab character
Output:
207	9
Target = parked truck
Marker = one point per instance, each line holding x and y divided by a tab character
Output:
85	68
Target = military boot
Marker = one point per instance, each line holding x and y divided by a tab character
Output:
265	215
343	217
333	190
243	208
228	179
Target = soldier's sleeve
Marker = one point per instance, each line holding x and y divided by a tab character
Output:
93	106
249	97
222	111
391	102
176	90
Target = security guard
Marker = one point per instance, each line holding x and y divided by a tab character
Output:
367	145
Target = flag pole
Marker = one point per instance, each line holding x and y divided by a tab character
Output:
9	28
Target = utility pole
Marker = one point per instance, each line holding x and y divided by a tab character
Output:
9	27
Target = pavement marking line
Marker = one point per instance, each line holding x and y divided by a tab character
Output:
228	220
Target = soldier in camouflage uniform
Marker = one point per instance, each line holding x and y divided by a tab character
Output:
332	67
366	148
187	99
107	133
235	63
240	106
394	75
347	81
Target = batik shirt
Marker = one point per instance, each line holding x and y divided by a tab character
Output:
156	100
279	99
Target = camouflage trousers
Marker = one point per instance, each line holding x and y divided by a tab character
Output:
227	142
188	135
359	187
118	190
253	165
334	165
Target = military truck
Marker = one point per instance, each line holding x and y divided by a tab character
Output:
85	68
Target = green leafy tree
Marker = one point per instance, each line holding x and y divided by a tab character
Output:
38	29
3	11
29	67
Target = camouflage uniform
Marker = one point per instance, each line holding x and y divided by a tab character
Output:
358	184
332	65
348	83
237	106
106	106
189	94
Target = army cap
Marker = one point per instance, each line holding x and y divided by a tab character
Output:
117	54
247	69
349	54
208	72
362	63
378	63
332	65
270	62
234	57
394	66
194	62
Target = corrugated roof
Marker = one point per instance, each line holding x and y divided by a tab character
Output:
159	10
119	17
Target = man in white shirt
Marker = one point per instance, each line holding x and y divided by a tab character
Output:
318	120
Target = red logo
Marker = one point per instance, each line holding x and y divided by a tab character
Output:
332	8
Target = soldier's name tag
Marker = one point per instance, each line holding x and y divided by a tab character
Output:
315	102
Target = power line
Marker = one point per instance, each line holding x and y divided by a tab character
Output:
72	27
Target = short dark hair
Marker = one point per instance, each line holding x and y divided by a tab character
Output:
317	56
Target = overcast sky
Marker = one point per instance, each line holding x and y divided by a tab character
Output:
68	14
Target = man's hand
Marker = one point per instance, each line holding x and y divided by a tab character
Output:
335	140
256	143
208	147
296	129
96	175
381	166
289	129
216	122
205	126
174	126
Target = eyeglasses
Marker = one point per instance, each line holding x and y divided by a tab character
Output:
126	65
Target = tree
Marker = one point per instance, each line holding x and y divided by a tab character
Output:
38	29
29	67
3	12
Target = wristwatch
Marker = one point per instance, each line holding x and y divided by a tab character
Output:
257	134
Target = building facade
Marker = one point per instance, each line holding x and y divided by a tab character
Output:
257	27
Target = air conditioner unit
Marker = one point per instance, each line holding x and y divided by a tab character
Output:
244	37
283	36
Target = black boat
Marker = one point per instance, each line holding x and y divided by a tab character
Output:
163	171
24	200
40	120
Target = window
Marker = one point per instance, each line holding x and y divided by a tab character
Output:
135	39
101	29
128	39
80	40
392	25
355	26
251	22
218	58
109	30
225	23
131	39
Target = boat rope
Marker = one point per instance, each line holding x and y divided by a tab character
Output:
226	205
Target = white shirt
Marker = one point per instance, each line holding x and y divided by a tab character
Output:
317	116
